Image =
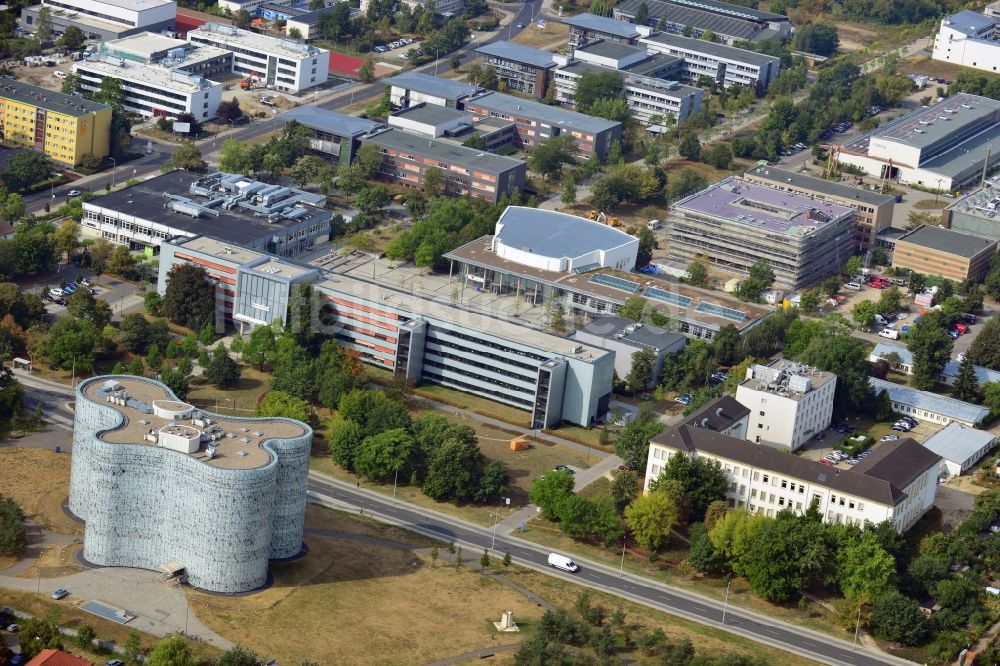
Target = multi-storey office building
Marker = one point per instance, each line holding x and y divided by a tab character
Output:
151	49
161	485
968	38
788	402
333	135
536	122
897	482
233	208
285	64
726	65
734	223
873	211
411	88
67	128
586	27
406	158
456	126
944	146
105	19
955	255
153	91
520	68
730	23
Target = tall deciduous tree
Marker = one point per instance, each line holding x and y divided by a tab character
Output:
279	403
651	517
966	385
548	492
189	299
931	347
222	370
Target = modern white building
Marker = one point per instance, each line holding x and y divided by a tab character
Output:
927	406
412	88
153	91
960	447
726	65
283	64
105	19
788	402
968	38
897	482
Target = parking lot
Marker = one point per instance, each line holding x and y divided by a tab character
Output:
122	296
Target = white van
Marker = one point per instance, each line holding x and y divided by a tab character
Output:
562	562
59	74
653	225
854	286
890	333
56	292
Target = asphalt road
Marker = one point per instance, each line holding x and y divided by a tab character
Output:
694	607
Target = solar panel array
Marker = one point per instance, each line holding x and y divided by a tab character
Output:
615	282
720	311
667	296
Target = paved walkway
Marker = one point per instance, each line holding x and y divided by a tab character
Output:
476	654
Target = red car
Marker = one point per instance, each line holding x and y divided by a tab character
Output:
878	282
961	328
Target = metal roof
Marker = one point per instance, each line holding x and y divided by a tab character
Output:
951	368
930	402
595	23
330	121
445	151
518	53
549	115
801	181
968	21
432	114
43	98
642	336
553	234
947	240
713	49
431	85
728	26
957	443
614	50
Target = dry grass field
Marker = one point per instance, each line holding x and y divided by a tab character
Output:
38	480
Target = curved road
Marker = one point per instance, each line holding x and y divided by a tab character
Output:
795	639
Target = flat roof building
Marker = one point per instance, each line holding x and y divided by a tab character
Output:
626	337
152	49
733	223
726	65
897	482
105	19
151	472
948	375
66	128
285	64
730	23
933	250
968	38
873	210
307	23
520	68
944	146
928	406
334	135
410	88
960	447
976	212
233	208
586	27
406	158
537	122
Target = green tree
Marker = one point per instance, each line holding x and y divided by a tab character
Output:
154	358
548	156
187	157
189	299
132	650
569	191
633	308
43	26
81	304
25	169
240	655
454	471
632	445
549	491
625	488
818	38
864	313
170	651
719	155
651	517
931	347
697	273
865	570
966	385
222	370
374	411
853	266
890	300
594	86
366	73
111	93
640	375
690	147
703	480
85	636
279	403
433	182
898	619
726	345
381	457
39	634
72	344
151	301
67	239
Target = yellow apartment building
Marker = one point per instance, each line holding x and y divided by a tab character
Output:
64	127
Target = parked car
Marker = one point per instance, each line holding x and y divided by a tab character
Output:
56	292
820	436
961	328
61	593
683	399
909	419
889	333
18	659
953	334
853	286
74	193
563	468
824	461
85	282
969	318
13	628
116	662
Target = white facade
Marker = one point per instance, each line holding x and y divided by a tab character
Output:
153	91
727	65
960	447
280	63
788	403
645	97
967	39
927	406
109	16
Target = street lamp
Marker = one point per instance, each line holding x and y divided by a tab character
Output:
857	628
496	520
436	52
395	478
725	605
938	190
621	569
114	168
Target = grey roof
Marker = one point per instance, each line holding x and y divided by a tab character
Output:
610	26
718	414
713	49
642	336
550	115
330	121
875	487
957	443
431	85
309	18
946	240
615	50
432	114
518	53
720	24
951	368
801	181
654	62
930	402
969	21
580	68
444	151
729	8
899	462
553	234
57	102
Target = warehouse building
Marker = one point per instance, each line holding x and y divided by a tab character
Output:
729	23
586	27
410	88
519	68
233	208
66	128
927	406
284	64
536	122
968	38
975	213
334	136
104	19
948	376
465	171
873	211
932	250
726	65
734	223
960	447
162	485
897	482
945	146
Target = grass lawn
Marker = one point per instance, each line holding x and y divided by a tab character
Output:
473	403
930	204
551	37
40	494
238	401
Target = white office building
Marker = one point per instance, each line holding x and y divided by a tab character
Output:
788	402
726	65
968	39
897	482
960	447
284	64
154	91
105	19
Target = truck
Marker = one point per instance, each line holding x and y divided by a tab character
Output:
558	561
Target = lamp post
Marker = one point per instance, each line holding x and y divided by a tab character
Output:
725	605
621	569
114	168
436	52
938	190
395	478
496	520
857	628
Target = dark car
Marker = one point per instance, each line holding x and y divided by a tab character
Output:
563	468
820	436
